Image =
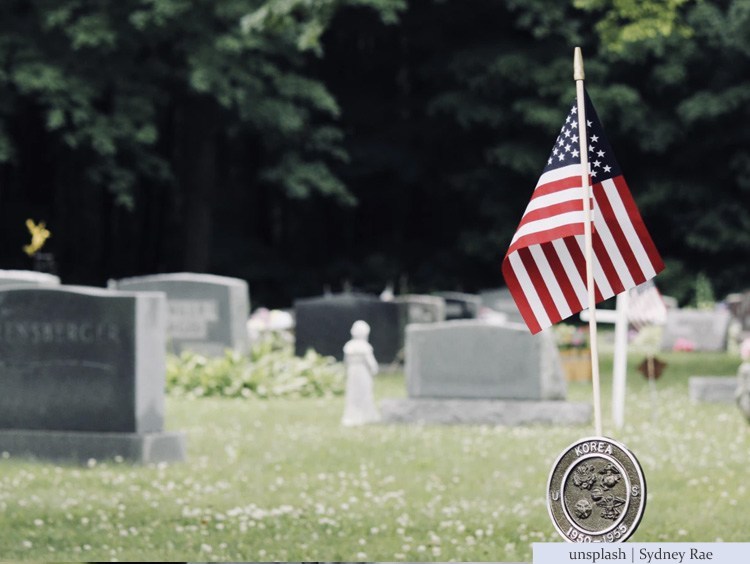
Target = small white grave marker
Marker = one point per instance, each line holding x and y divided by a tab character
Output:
641	306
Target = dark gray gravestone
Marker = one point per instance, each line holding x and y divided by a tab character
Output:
22	278
324	324
459	305
207	313
704	330
82	374
422	309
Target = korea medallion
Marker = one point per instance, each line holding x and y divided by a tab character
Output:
596	492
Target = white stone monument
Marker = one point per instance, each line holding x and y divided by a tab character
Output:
361	366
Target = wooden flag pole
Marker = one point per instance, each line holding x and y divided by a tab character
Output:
578	76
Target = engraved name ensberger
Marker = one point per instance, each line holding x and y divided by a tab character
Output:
189	319
58	332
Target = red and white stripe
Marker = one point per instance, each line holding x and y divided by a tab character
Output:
646	306
545	267
555	209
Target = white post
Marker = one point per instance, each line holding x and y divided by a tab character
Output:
620	363
578	76
619	318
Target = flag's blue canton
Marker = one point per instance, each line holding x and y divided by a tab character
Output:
566	150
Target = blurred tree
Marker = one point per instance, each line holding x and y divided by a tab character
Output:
677	99
141	97
450	116
704	293
623	23
130	125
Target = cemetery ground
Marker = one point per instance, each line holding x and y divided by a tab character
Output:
281	480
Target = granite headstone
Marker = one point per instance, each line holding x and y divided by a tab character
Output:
501	301
475	359
324	323
475	371
700	330
740	309
207	313
422	308
742	393
23	278
712	389
82	374
460	305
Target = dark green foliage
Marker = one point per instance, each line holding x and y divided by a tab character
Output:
478	91
298	144
109	107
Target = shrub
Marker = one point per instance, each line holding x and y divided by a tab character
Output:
270	370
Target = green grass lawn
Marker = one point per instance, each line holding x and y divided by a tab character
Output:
280	480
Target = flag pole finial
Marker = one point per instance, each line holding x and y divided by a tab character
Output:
578	73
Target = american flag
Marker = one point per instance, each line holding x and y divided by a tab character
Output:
545	266
646	306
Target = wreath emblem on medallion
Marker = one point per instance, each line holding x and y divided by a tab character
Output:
598	483
584	476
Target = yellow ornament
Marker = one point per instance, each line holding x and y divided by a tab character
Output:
39	234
